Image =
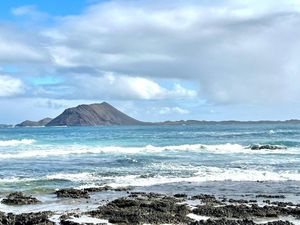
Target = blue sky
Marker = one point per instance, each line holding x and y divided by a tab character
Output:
155	60
52	7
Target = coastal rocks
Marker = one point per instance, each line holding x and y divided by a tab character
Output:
84	193
208	199
269	196
281	204
266	147
98	189
39	218
236	222
244	211
72	193
107	188
237	211
18	198
81	220
183	196
144	208
242	201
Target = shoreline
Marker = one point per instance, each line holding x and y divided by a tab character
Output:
107	205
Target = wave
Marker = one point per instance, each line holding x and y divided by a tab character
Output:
203	174
208	174
48	151
6	143
79	177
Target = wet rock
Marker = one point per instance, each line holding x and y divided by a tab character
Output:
267	147
283	204
107	188
206	199
237	211
270	196
18	198
39	218
72	193
98	189
240	201
144	208
180	196
236	222
122	189
244	211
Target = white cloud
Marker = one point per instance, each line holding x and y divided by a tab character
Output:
23	10
18	46
10	86
237	51
30	11
171	110
127	87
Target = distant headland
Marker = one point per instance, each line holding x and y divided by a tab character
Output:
104	114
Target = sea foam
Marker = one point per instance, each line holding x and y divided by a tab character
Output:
6	143
48	151
201	174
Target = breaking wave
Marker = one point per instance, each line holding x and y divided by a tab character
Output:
203	174
6	143
78	149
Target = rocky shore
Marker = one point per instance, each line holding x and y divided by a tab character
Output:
153	208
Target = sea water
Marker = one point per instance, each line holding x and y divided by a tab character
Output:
171	159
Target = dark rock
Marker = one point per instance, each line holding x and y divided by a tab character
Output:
107	188
18	198
283	204
266	147
39	218
240	201
206	199
98	189
236	222
93	115
144	208
237	211
269	196
244	211
122	189
72	193
180	196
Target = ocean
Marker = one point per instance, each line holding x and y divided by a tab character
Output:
212	159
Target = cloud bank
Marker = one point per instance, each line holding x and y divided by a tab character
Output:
218	52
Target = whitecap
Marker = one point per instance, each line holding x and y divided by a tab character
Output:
48	150
13	142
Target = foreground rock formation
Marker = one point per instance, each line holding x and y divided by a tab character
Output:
139	208
39	218
18	198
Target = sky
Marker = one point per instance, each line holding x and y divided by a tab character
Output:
155	60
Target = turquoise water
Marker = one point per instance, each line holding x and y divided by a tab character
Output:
39	160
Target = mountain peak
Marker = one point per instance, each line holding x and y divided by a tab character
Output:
96	114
